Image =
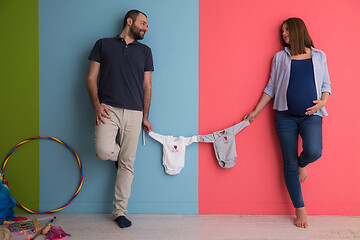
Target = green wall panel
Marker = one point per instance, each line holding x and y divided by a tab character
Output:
19	97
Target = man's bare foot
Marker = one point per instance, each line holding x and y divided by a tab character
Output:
301	218
302	174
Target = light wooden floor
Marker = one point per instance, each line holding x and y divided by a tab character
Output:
206	227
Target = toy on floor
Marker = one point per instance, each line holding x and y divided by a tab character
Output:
6	204
47	228
24	227
17	219
57	233
73	152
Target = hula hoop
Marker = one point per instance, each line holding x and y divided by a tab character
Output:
73	152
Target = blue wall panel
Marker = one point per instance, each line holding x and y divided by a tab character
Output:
67	32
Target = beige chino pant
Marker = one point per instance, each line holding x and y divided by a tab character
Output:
128	124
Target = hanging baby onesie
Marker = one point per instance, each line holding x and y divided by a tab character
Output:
224	143
173	151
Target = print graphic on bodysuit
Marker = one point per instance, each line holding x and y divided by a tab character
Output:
173	151
224	143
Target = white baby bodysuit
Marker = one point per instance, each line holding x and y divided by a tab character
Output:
173	151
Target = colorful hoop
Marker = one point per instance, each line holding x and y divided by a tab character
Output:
74	153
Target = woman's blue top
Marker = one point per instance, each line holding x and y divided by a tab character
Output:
301	91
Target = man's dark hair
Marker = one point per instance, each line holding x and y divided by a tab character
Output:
133	15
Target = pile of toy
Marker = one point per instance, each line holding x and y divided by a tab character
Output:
22	228
16	227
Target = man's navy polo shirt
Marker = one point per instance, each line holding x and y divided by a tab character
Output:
122	70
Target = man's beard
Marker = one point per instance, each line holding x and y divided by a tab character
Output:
136	32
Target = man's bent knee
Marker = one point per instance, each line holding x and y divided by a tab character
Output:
106	153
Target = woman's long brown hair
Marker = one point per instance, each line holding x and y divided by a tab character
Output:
299	36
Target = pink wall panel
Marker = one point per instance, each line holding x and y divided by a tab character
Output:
237	40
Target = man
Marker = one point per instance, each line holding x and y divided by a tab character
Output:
121	102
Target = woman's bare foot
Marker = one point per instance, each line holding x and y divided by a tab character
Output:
302	174
301	218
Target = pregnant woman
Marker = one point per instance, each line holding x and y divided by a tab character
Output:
300	85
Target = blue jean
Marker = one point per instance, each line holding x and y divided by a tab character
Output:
288	128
